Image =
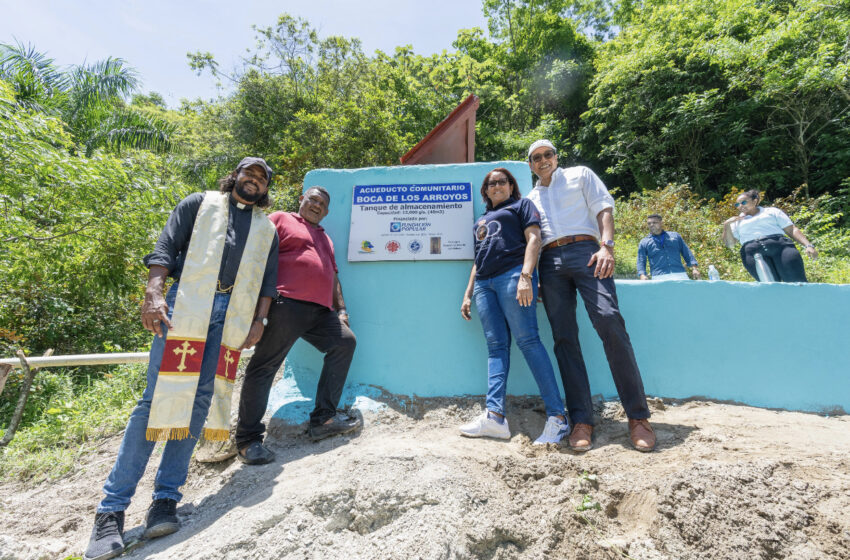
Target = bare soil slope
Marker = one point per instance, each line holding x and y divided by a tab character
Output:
726	482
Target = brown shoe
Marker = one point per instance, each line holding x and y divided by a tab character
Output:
581	438
642	435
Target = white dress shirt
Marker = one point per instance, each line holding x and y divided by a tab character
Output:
767	221
570	204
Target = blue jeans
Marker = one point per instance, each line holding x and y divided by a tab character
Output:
501	314
135	450
563	271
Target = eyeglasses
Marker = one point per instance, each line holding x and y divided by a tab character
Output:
742	203
494	182
537	158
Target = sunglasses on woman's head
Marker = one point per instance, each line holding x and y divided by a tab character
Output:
536	158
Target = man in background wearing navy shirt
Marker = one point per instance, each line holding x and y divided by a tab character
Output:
665	251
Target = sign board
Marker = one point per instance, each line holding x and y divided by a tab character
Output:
414	222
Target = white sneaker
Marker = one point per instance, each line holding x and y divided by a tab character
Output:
484	426
553	432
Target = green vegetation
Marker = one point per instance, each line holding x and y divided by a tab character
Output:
588	503
678	105
69	414
726	93
87	98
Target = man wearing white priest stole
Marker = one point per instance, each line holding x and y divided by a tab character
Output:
221	249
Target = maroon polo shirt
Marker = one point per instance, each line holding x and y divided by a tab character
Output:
306	264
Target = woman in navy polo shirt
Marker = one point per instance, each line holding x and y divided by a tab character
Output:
503	284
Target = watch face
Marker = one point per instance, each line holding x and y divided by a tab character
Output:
609	243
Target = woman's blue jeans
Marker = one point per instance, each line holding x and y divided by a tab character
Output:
135	449
501	314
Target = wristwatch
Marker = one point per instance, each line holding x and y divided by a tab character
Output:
263	320
609	243
525	275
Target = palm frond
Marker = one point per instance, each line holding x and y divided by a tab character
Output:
38	84
131	129
101	82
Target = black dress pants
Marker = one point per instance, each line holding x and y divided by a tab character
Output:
781	256
289	320
563	272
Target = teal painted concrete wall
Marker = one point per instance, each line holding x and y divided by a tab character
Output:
777	345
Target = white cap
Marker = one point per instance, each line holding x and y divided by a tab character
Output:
541	144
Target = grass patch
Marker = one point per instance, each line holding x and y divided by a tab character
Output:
73	418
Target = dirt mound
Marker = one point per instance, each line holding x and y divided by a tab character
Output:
726	482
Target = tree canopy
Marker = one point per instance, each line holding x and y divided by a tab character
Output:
88	98
724	93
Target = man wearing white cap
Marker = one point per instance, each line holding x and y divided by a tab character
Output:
577	225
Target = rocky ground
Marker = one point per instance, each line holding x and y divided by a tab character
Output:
726	482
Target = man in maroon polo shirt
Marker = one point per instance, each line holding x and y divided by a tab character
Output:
309	305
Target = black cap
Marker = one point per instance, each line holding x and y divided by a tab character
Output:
249	161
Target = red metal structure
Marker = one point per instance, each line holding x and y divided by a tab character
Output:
451	141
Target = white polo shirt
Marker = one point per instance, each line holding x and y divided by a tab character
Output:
767	221
570	204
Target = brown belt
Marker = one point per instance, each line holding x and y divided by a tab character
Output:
566	240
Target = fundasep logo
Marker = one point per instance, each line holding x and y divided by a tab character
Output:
414	246
366	247
392	246
398	227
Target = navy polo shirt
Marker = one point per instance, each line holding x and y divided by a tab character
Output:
500	237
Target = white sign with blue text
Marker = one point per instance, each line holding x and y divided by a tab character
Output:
419	222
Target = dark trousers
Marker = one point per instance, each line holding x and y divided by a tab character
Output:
780	254
563	271
290	320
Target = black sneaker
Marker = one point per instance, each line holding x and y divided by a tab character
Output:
107	536
343	422
161	519
256	454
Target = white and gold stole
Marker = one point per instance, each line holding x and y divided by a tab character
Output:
174	394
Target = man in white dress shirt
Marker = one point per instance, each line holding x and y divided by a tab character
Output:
577	224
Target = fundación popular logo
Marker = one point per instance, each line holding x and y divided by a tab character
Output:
367	247
395	227
393	246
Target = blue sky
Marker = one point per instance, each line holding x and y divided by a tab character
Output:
154	36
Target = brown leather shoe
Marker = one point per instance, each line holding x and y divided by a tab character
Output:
581	438
642	435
